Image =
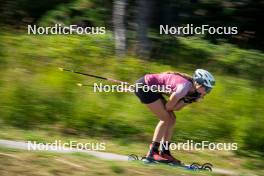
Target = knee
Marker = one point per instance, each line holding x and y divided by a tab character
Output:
169	120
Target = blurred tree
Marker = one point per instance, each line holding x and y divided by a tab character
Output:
143	21
119	12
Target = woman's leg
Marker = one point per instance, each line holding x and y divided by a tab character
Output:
165	148
162	132
168	133
163	129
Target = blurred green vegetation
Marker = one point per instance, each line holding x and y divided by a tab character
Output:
81	12
224	57
35	93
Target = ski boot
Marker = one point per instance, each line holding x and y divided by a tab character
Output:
155	157
169	157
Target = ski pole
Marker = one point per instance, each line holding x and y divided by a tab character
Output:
94	76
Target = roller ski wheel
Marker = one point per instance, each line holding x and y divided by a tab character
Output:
132	157
195	166
205	166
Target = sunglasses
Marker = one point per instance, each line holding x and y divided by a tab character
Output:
207	89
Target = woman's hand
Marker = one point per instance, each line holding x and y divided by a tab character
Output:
175	103
173	100
179	105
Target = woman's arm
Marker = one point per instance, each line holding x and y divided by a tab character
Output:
173	100
175	103
179	105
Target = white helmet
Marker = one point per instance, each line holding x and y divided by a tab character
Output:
204	78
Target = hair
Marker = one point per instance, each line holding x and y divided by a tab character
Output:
184	75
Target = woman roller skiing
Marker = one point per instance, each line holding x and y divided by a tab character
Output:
184	90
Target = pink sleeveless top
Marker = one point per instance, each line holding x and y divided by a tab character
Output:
177	83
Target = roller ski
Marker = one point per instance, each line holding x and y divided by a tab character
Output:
175	163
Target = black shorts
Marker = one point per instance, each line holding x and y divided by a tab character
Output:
147	97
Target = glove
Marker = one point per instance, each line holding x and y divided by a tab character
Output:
191	97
